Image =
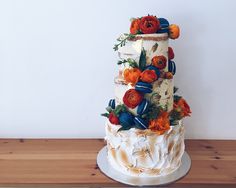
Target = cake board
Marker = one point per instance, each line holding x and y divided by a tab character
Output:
112	173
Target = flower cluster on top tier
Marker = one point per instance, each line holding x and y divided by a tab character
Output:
151	24
148	25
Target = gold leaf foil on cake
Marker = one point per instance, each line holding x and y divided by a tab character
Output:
155	171
135	171
170	146
151	38
177	152
124	158
113	153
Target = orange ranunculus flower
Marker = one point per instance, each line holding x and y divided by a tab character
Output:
161	124
182	106
134	28
149	24
132	75
174	31
148	76
132	98
159	61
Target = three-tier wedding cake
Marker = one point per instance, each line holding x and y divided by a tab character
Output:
144	130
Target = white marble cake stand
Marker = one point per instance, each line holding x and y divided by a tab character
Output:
112	173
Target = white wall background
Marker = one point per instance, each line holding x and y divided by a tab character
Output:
57	64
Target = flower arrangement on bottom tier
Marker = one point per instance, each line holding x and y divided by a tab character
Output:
150	116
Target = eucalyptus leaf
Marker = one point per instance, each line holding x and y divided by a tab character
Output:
109	109
142	60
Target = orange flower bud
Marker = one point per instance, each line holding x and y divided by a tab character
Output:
134	28
174	31
168	75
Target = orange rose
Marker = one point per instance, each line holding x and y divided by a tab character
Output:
148	76
182	107
161	124
174	31
134	28
132	75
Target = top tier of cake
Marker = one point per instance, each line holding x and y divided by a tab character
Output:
154	45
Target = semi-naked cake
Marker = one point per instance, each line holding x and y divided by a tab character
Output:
144	130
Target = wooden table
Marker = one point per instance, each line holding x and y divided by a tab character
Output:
72	163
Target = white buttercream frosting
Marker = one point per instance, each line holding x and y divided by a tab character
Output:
132	49
143	152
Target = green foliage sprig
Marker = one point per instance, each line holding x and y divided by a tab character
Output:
119	108
122	40
175	115
153	112
131	62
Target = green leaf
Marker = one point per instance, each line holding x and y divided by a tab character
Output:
122	40
120	62
153	112
154	48
109	109
131	62
119	108
142	60
176	98
105	115
174	116
175	89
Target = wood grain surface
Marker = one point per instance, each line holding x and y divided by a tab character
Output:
72	163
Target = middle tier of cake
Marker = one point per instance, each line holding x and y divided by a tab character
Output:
161	95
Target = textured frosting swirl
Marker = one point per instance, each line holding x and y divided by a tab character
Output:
143	152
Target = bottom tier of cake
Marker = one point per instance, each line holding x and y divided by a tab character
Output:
143	152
